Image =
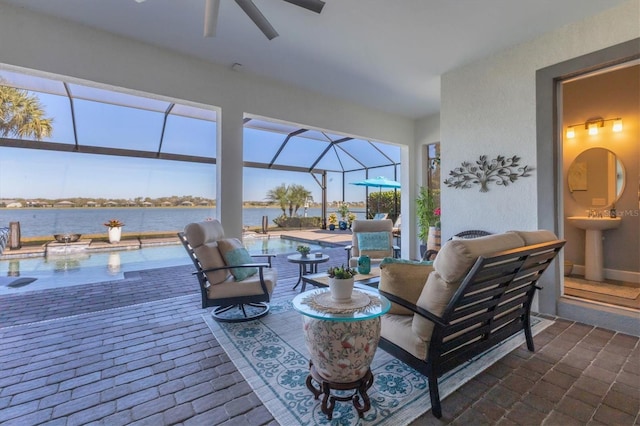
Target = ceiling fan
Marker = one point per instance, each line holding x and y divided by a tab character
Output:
252	11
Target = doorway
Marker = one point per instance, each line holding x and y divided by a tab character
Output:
600	156
550	180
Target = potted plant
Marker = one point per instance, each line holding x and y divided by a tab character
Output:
351	217
425	210
114	230
303	250
333	220
341	282
343	210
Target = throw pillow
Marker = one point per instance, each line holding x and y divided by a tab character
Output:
403	279
373	241
234	253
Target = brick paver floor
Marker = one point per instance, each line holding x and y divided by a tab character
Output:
137	351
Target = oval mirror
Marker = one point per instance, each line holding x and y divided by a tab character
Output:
596	178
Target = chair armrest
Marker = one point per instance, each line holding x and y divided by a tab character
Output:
429	253
414	308
268	256
244	265
348	249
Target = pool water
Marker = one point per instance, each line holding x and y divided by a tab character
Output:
92	267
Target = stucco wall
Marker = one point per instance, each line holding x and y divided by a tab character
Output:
489	107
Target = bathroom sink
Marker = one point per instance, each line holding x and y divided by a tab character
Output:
593	259
594	223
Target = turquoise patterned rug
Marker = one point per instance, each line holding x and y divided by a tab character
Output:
271	355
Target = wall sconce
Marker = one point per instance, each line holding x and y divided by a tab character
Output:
593	125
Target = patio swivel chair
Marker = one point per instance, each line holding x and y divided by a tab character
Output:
373	238
230	281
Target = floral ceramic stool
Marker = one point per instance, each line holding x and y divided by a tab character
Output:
342	338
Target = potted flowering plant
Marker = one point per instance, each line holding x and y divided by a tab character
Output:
114	230
341	282
351	217
333	220
303	250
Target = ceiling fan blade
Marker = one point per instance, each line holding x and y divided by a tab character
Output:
312	5
258	18
211	9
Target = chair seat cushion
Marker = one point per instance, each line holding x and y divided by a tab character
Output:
247	287
234	253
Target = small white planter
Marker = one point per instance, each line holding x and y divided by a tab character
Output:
115	233
341	289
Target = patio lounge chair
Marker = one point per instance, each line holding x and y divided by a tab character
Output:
373	238
227	275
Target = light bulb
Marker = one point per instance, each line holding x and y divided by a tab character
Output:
571	133
593	129
617	125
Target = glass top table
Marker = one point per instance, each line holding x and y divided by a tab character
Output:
365	304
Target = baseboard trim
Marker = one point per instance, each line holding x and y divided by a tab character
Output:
612	274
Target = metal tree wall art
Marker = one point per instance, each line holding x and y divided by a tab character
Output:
500	170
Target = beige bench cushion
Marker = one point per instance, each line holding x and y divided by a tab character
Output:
456	257
405	280
452	264
397	329
536	237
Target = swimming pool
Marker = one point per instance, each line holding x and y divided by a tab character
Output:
92	267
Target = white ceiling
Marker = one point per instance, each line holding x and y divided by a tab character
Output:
386	54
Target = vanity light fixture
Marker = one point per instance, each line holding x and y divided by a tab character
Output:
617	125
593	125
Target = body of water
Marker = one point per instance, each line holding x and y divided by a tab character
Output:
79	268
35	222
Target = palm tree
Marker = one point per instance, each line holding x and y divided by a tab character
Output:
22	115
297	196
279	195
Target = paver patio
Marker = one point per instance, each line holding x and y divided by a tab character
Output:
137	351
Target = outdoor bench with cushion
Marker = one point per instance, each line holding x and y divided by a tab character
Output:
476	294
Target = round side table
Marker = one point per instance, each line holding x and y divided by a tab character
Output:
308	264
342	338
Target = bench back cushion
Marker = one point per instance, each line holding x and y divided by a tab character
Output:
452	264
405	279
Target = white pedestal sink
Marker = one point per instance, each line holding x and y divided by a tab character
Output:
593	263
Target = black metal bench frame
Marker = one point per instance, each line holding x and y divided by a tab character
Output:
492	304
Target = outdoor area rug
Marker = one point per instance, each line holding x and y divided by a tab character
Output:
271	355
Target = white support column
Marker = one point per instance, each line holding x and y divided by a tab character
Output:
229	169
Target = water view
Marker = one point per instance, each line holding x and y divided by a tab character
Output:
91	267
35	222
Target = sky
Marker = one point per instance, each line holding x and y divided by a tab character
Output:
54	175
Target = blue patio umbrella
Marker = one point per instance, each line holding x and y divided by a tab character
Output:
379	182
